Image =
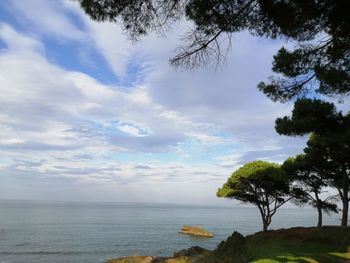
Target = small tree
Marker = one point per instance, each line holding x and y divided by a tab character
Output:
260	183
312	184
331	155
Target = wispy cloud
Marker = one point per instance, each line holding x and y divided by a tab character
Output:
47	17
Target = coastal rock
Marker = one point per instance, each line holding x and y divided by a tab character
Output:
132	259
149	259
191	252
172	260
189	255
195	231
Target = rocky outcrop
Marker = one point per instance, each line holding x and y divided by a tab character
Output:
148	259
191	255
191	252
195	231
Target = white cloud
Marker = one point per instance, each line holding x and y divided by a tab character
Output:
109	40
18	42
117	50
55	112
207	139
55	19
132	130
11	141
45	17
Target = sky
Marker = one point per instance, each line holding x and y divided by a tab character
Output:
87	115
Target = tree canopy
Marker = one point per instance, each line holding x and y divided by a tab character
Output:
260	183
319	29
328	147
312	182
331	155
311	115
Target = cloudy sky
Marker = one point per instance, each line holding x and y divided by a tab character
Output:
85	115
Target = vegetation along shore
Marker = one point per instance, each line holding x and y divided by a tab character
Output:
297	245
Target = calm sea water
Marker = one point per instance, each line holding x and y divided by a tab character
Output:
35	232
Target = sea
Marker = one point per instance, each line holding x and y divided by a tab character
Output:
78	232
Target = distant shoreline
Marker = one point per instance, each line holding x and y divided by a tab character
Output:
151	204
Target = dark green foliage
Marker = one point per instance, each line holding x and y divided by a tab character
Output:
232	250
320	30
310	116
138	17
260	183
328	148
233	247
312	183
330	153
323	58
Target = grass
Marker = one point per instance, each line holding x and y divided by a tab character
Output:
295	245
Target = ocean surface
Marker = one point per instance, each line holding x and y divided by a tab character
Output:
36	232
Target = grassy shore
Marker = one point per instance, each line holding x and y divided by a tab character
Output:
294	245
303	245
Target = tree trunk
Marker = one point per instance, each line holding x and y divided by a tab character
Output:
266	222
319	209
265	226
345	201
264	218
344	218
319	222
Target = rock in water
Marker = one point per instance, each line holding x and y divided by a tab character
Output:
195	231
132	259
